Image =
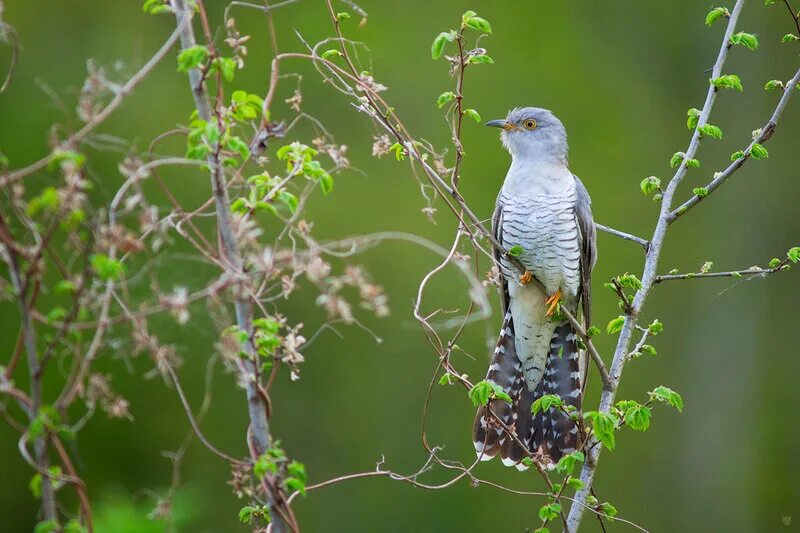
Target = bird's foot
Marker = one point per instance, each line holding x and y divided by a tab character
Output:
553	302
526	277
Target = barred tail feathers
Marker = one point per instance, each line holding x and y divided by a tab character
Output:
505	370
562	378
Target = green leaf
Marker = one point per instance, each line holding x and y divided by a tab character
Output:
575	483
544	403
736	155
245	514
677	159
471	20
748	40
47	526
656	327
603	425
471	113
60	156
480	393
480	58
437	48
483	391
789	37
445	98
327	54
648	349
344	15
773	84
154	7
693	115
212	133
48	202
615	325
629	281
711	131
550	511
700	192
227	67
107	269
648	185
794	254
759	152
326	183
516	250
692	163
593	331
192	57
399	151
608	509
727	81
567	462
239	146
716	13
667	395
638	417
73	526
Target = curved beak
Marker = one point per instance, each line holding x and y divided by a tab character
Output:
501	123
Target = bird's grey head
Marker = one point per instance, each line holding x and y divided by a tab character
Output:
533	133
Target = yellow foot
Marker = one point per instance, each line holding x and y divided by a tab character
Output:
526	277
553	302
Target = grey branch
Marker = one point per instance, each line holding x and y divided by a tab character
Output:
648	278
622	235
763	137
256	403
750	272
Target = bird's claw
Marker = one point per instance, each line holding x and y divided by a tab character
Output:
526	277
553	302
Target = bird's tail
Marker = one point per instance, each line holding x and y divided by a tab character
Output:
562	378
505	370
551	433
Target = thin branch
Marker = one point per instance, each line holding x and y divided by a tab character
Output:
763	137
622	235
749	272
120	94
257	404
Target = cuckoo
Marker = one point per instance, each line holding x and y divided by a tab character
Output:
544	212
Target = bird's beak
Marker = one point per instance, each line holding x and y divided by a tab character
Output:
501	123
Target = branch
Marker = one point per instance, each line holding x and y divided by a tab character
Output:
649	274
256	403
622	235
751	272
763	137
100	117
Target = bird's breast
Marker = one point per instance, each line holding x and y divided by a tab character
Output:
545	227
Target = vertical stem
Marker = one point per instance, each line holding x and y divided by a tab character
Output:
256	403
648	277
29	342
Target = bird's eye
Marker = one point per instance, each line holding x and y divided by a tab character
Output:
529	124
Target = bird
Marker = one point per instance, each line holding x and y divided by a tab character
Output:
542	214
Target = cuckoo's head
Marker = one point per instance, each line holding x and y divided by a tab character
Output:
533	132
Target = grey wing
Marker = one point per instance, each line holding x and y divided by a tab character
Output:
497	232
588	246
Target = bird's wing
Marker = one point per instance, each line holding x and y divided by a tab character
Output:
497	232
588	246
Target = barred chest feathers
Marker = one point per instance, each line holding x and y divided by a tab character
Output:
539	216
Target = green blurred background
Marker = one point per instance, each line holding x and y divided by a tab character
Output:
620	75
